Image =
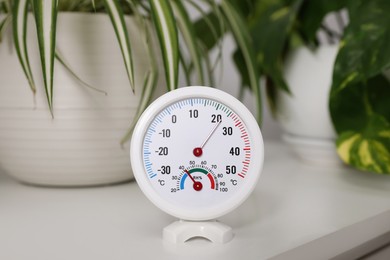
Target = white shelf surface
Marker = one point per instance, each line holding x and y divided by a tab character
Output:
296	212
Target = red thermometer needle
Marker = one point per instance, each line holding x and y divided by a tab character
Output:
198	151
197	185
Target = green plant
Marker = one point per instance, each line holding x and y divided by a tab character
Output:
171	22
360	93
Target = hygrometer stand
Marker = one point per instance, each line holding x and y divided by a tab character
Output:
182	230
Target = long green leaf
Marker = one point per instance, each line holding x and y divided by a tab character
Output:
45	13
187	29
186	68
220	23
241	35
206	27
4	25
118	21
20	38
150	83
209	30
5	6
151	76
62	61
165	24
208	63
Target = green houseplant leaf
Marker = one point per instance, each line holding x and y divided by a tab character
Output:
365	141
209	26
312	13
187	29
269	33
62	61
20	35
167	34
151	76
165	24
243	40
115	11
4	24
359	102
45	13
5	6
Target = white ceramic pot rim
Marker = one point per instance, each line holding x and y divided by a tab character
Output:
303	140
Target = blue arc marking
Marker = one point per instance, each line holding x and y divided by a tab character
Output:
183	179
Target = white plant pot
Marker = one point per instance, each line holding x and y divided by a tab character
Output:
81	144
304	115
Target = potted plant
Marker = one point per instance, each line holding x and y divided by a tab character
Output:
337	72
92	67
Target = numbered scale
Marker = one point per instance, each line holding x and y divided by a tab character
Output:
197	154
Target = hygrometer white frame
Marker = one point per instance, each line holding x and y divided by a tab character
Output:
252	174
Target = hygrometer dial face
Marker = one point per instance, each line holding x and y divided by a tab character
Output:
198	153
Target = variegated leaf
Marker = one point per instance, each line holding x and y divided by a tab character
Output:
369	27
367	151
150	83
151	76
118	21
20	38
165	25
45	13
363	121
360	94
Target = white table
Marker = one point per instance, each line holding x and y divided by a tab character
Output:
296	212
